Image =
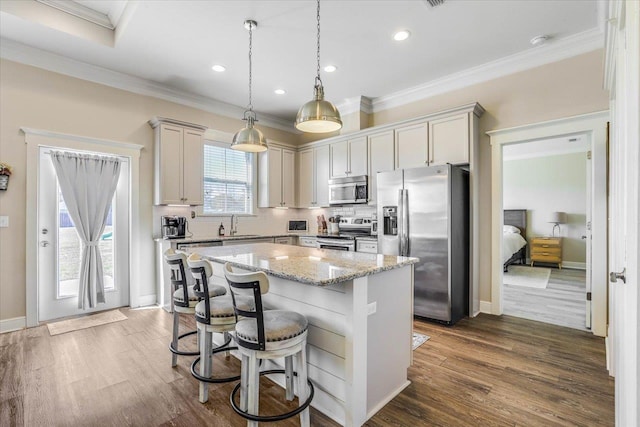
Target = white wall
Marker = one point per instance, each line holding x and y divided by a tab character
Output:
542	185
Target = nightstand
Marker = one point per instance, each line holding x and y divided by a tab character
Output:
546	249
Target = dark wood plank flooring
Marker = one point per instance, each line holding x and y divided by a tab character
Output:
486	371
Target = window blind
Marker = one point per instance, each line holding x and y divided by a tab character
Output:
228	176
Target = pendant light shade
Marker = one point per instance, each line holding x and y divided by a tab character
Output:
318	115
249	138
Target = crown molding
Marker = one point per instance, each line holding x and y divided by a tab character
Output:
80	11
24	54
355	105
87	139
554	51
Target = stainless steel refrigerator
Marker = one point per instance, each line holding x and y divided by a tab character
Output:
424	213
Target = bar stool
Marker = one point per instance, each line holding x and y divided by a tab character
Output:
264	335
214	314
183	300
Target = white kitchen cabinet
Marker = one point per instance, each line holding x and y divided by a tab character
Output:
381	159
276	184
283	240
412	146
307	241
349	158
313	177
179	167
449	140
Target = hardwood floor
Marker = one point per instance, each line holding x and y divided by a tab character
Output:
486	371
561	303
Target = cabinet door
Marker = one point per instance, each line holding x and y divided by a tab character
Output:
171	165
358	156
411	146
381	153
288	178
449	140
322	163
339	159
306	179
193	169
270	183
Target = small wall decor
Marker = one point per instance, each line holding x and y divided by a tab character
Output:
5	173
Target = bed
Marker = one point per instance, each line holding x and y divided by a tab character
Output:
514	245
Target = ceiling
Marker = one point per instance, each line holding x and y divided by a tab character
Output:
175	43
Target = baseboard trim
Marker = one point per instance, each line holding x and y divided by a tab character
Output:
486	307
14	324
574	265
146	300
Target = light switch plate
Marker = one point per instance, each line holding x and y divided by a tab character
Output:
4	221
372	308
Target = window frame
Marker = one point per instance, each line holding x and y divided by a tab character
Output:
254	182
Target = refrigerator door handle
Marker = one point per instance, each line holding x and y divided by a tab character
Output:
399	225
405	222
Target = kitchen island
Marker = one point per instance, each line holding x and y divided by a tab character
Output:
360	312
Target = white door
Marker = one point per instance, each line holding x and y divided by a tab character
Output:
624	216
60	248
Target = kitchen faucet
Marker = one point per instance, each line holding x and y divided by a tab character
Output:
234	225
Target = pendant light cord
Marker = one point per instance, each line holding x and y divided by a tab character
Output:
250	65
318	80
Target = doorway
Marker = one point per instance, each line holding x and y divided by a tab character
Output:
60	247
548	183
593	125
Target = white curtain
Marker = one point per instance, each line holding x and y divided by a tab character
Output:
88	183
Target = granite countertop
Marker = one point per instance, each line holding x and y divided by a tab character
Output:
319	267
216	238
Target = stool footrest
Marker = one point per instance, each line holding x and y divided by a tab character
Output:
181	352
271	418
223	347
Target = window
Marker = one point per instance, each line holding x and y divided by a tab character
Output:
228	180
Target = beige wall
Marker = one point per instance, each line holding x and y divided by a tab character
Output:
40	99
31	97
550	184
561	89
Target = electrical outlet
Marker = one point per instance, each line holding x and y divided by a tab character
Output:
372	308
4	221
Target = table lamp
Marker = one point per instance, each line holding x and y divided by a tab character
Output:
557	218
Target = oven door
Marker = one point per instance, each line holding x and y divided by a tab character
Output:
336	244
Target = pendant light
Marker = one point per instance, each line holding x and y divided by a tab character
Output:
248	138
318	115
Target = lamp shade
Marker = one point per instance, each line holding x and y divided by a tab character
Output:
318	115
249	139
558	217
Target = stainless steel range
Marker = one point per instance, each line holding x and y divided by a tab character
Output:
350	229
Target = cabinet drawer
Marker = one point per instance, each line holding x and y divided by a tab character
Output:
367	247
308	242
546	242
546	250
546	258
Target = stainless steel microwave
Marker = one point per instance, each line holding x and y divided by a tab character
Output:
349	190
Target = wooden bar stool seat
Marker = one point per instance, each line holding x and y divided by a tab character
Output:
264	335
183	301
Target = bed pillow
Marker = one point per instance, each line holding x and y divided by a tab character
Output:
510	229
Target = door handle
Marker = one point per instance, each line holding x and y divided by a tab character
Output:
45	230
44	243
584	237
614	277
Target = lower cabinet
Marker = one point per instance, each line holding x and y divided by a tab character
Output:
283	240
247	241
367	246
307	241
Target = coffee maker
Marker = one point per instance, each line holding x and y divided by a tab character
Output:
173	227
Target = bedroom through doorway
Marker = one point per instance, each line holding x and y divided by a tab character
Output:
546	233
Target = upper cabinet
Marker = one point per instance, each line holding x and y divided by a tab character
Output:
434	142
313	177
349	157
381	158
178	162
276	182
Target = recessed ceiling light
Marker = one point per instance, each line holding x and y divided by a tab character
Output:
401	35
539	40
330	68
218	68
279	91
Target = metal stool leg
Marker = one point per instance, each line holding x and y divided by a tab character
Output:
205	363
288	369
303	389
174	342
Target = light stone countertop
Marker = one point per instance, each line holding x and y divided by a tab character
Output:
319	267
